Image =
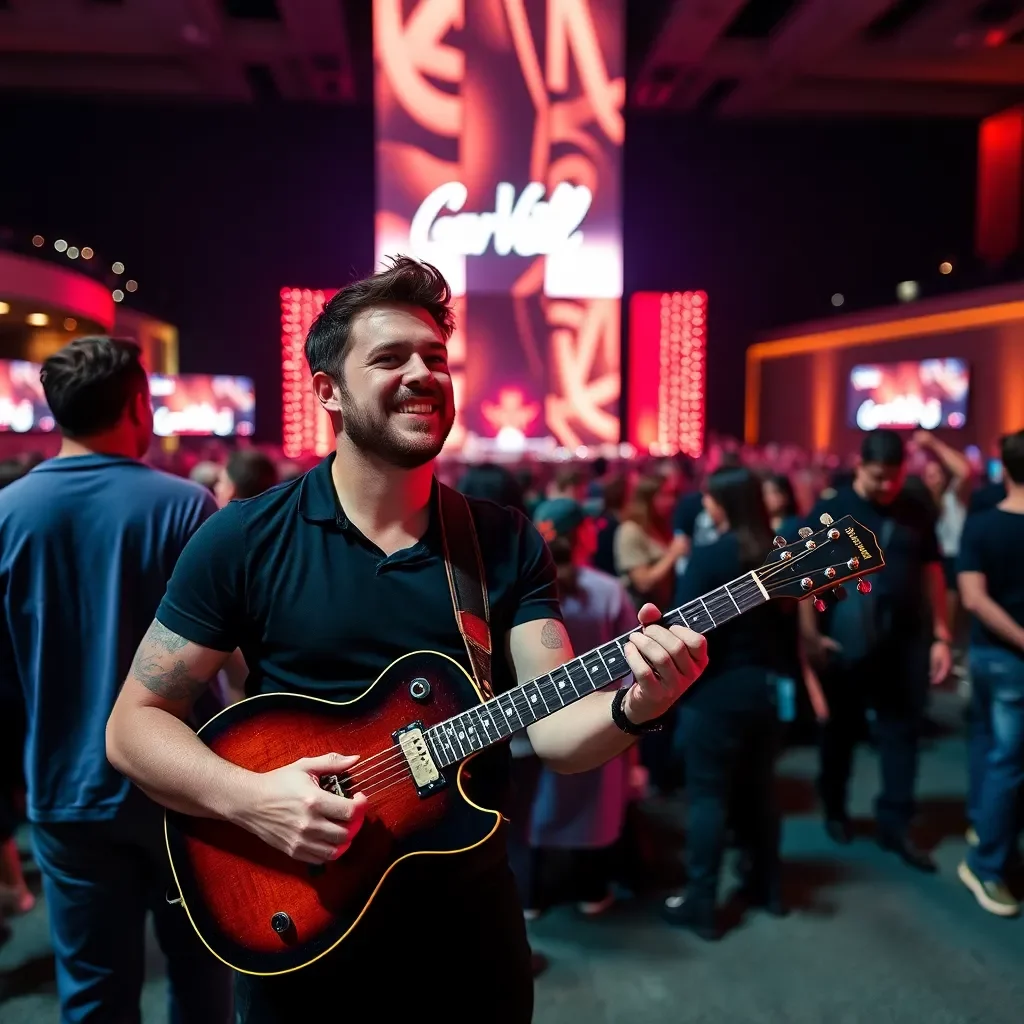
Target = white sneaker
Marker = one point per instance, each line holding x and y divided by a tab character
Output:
994	897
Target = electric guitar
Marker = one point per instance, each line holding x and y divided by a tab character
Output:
414	729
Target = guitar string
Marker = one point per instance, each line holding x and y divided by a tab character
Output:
373	767
394	777
369	768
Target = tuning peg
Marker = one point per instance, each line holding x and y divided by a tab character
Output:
805	532
819	605
839	593
863	586
825	519
779	542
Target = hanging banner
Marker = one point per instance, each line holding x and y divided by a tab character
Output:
499	133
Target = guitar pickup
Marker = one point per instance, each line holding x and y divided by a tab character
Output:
425	774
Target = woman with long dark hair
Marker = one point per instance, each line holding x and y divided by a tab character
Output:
780	500
728	723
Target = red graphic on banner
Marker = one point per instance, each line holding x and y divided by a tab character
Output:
499	140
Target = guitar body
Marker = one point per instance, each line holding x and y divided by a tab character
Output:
235	887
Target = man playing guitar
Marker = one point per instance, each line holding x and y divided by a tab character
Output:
324	582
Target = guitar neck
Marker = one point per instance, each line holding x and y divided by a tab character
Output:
498	718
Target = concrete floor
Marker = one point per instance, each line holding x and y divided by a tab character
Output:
869	940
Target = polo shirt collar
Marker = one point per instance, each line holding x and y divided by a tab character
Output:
318	503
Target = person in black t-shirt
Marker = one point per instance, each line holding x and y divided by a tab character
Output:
613	500
323	583
881	650
728	725
990	573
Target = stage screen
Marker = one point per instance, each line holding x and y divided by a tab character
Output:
927	393
202	405
23	405
499	133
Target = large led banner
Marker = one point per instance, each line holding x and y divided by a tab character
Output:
498	159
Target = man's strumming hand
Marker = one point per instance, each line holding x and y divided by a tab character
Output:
288	810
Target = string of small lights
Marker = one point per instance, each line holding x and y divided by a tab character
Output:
906	291
115	278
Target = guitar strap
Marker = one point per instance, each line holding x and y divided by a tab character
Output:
467	583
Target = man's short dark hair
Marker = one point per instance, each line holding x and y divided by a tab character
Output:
407	281
251	471
89	383
1011	450
884	447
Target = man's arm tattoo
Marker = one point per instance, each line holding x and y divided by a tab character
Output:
167	677
551	636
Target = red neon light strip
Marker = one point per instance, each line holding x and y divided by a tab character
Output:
306	429
667	359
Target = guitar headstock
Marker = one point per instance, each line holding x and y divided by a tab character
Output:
820	561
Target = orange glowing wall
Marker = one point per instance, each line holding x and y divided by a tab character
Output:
499	133
797	386
667	371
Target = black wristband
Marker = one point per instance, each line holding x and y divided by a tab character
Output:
620	719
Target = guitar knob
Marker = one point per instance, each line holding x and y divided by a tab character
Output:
826	520
863	587
280	922
840	593
779	542
805	532
819	605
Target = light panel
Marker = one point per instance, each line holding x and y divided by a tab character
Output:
668	371
306	428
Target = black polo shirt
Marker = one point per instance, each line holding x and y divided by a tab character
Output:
318	609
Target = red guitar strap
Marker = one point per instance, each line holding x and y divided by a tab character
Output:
468	584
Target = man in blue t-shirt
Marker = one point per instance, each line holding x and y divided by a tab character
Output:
990	574
88	541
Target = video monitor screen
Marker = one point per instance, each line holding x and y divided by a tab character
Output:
23	407
925	393
200	404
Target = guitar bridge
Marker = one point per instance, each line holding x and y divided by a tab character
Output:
425	774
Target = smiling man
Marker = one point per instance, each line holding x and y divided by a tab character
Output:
323	583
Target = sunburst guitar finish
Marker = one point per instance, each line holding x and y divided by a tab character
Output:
262	912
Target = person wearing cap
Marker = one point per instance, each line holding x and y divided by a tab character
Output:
581	816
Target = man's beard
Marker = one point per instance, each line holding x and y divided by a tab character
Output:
372	431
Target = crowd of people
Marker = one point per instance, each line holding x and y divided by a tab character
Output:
670	530
106	533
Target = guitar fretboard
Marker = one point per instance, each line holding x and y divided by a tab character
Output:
481	726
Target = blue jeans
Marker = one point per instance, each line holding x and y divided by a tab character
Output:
996	756
100	879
